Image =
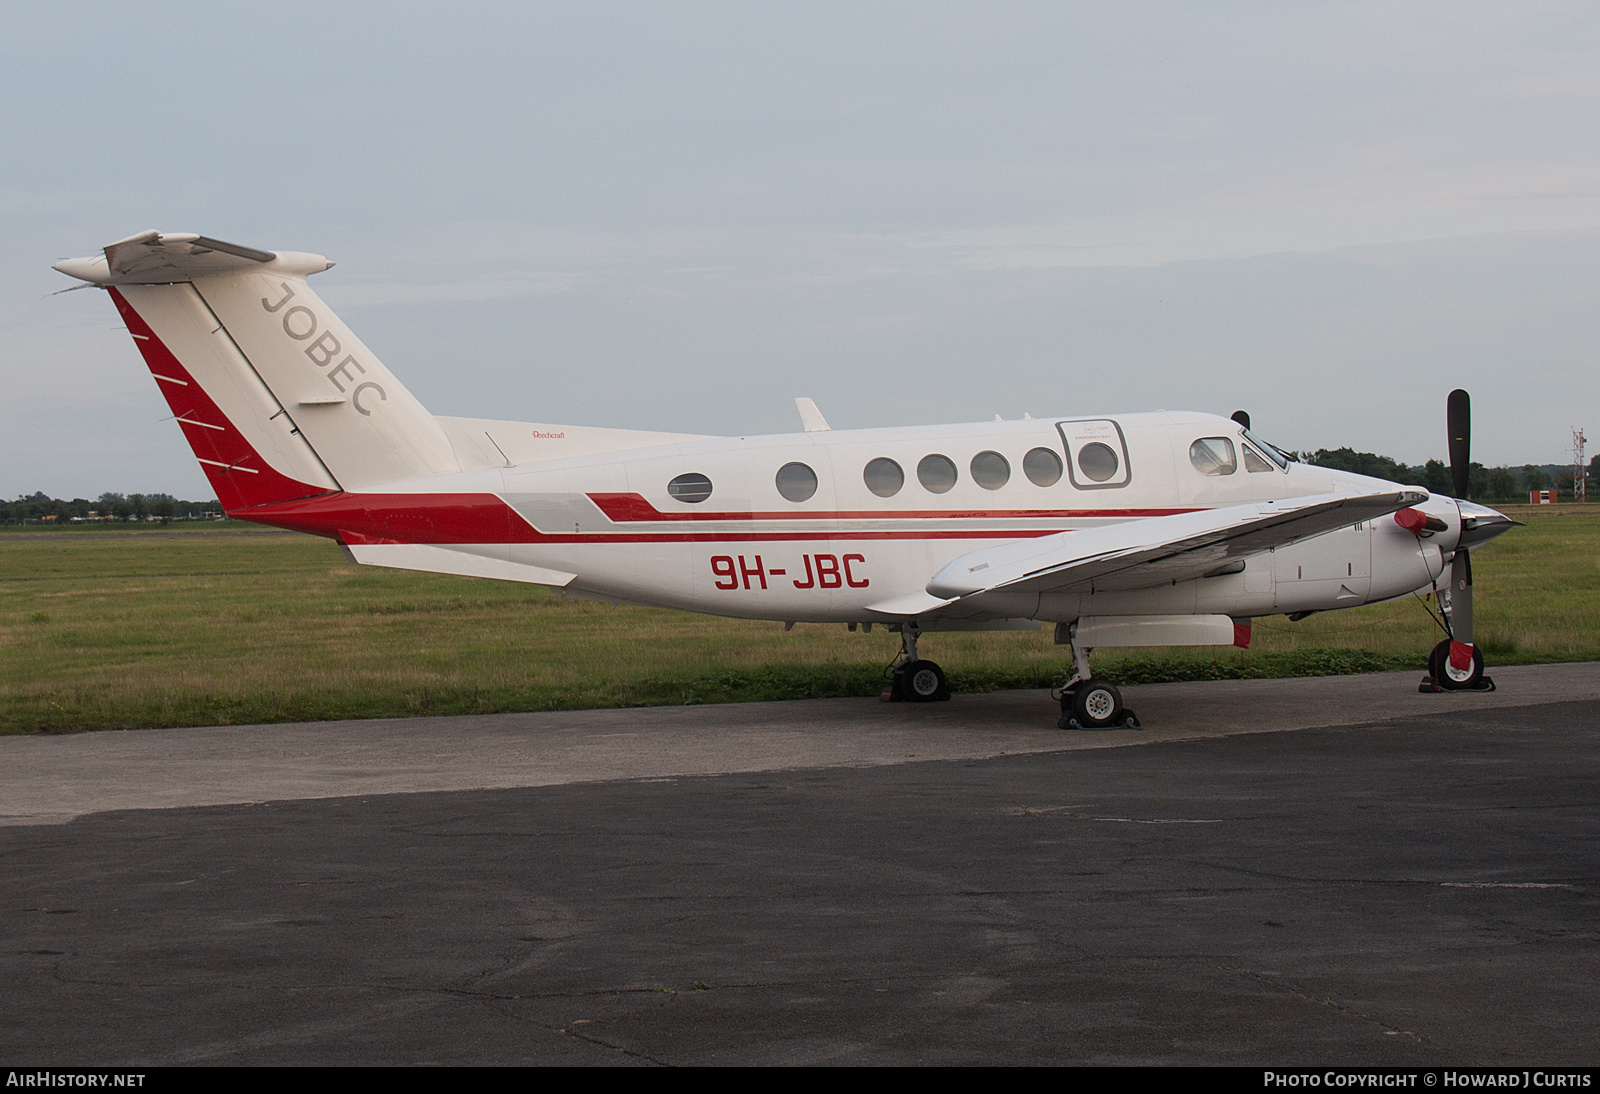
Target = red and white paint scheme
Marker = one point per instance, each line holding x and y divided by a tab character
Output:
1122	529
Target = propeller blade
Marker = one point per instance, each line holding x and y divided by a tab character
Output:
1458	419
1462	666
1242	417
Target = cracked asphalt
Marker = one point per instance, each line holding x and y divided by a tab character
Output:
1416	891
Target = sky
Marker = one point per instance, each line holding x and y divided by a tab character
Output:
681	216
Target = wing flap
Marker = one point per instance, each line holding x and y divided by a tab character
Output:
911	604
1141	554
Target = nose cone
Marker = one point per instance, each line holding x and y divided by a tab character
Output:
1480	524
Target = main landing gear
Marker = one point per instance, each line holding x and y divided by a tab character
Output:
1087	702
914	680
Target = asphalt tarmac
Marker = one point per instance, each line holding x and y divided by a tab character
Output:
1330	871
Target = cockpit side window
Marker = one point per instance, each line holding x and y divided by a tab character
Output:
1214	456
1254	461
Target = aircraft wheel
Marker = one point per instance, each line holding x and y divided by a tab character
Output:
923	682
1451	678
1097	704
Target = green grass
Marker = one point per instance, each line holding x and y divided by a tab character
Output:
222	624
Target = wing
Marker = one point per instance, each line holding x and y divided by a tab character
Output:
1139	554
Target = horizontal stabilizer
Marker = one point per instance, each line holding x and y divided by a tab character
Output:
443	560
157	258
1140	554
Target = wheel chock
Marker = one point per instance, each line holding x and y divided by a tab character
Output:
1129	721
1429	686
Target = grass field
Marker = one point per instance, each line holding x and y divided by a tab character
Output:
224	624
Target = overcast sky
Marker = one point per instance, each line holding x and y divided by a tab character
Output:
680	216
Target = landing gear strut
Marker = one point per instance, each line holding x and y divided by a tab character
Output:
1087	702
914	680
1456	664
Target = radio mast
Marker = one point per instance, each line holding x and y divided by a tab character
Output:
1578	469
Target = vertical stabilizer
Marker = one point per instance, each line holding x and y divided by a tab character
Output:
246	443
361	421
269	386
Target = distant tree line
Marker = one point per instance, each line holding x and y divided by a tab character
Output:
1485	483
40	508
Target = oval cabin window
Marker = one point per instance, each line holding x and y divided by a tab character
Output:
1042	466
691	488
1097	462
936	473
796	482
990	470
883	477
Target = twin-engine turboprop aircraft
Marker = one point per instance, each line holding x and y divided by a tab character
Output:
1122	530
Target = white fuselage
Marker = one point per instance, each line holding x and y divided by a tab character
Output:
297	423
746	550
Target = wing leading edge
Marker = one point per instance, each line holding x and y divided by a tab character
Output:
1141	554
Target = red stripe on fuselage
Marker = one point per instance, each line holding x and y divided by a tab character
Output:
403	518
486	518
633	508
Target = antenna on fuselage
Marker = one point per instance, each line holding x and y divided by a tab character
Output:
811	419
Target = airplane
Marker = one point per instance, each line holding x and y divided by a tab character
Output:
1143	529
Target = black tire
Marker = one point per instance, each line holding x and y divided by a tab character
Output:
1097	704
922	682
1452	679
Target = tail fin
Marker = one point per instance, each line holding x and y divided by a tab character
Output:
247	446
276	396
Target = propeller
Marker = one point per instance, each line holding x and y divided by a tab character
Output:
1458	420
1242	417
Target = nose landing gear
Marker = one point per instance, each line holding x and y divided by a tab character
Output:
1443	675
1456	664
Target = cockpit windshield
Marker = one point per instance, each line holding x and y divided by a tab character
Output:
1273	454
